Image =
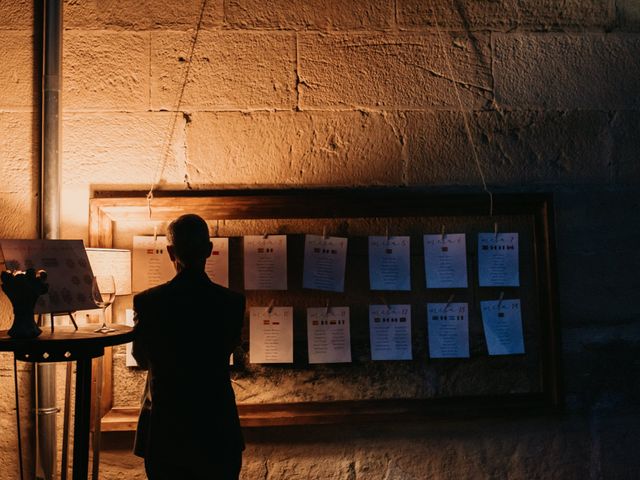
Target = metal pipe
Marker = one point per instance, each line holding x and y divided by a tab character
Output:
49	220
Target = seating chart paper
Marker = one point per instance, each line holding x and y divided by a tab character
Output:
502	323
328	335
498	260
445	258
152	266
324	263
448	327
271	335
265	262
389	263
68	271
390	332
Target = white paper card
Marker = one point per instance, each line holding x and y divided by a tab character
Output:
68	271
502	327
271	335
265	262
116	265
498	260
328	335
390	332
151	264
389	263
445	259
217	266
448	330
130	361
324	263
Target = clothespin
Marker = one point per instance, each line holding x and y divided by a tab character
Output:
442	232
265	236
500	300
155	233
324	232
270	307
149	199
451	297
495	229
386	232
326	309
216	230
385	303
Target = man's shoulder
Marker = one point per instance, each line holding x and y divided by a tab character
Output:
231	295
151	294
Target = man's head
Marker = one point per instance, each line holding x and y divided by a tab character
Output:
188	241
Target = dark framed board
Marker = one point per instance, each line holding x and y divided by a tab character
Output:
366	390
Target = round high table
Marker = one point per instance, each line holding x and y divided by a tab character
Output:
66	344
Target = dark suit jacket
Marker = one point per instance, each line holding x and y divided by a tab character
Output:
185	331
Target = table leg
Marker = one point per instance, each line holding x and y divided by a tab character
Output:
82	420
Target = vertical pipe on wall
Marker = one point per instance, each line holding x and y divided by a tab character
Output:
49	221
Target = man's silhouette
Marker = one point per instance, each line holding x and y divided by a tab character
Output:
185	331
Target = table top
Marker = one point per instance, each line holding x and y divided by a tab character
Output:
65	343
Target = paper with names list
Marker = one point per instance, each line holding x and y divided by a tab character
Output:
390	332
265	262
389	263
152	266
271	335
324	263
445	258
328	335
502	323
448	326
498	260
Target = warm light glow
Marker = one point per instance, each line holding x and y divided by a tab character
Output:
111	261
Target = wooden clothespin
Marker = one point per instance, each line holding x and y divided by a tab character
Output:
155	234
495	229
386	232
385	302
451	297
442	232
265	236
326	309
324	233
270	307
216	230
500	300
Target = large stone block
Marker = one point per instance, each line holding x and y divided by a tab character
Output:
515	149
106	71
288	148
142	15
567	71
394	71
229	71
597	237
16	76
310	14
628	14
625	134
16	14
121	148
505	14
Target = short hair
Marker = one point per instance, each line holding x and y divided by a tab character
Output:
189	235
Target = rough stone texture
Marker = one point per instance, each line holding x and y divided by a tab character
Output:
310	14
403	71
16	76
294	148
16	14
142	15
230	71
628	12
514	148
105	71
567	71
625	132
506	14
597	237
141	142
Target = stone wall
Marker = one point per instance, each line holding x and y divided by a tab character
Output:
358	93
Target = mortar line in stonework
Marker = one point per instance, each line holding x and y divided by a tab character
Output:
150	71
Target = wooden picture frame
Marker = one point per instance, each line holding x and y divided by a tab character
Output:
107	208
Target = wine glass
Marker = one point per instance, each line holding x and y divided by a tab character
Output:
103	292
